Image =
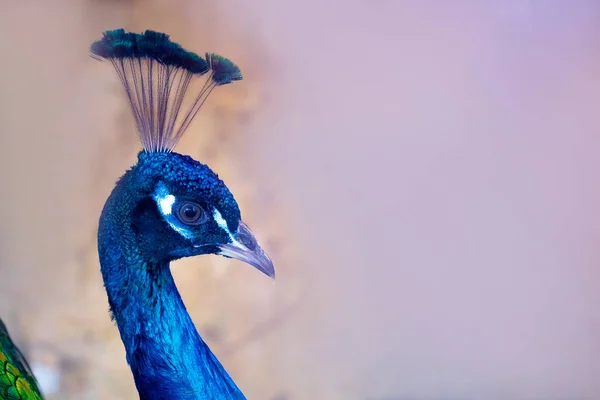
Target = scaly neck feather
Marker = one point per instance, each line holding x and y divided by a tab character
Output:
167	356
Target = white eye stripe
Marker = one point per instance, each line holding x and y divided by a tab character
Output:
220	221
166	204
182	231
164	201
223	225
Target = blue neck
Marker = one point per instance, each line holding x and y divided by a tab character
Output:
167	357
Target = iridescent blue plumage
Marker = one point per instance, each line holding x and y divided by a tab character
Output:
166	207
167	356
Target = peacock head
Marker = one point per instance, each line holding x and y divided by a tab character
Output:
186	210
181	208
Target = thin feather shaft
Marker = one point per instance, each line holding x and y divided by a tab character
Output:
156	75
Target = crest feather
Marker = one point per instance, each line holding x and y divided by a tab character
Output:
156	74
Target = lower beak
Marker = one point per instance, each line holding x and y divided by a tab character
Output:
244	247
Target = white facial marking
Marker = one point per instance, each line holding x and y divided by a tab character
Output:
223	225
221	221
166	204
165	201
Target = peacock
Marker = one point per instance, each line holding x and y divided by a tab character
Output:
165	207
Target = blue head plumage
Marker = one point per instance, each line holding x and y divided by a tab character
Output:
166	207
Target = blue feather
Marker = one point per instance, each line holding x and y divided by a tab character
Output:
166	207
166	354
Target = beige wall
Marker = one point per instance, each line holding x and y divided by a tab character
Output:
424	175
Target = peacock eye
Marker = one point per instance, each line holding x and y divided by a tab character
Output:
191	213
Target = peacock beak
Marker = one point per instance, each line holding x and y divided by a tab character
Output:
244	247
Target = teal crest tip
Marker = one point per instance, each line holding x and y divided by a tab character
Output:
156	74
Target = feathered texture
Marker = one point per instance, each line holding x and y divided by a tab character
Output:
16	380
156	74
166	207
167	356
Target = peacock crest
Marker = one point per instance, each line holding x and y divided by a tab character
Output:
156	74
166	207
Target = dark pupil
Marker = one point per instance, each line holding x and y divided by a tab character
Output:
190	212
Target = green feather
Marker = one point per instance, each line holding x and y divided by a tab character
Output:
16	379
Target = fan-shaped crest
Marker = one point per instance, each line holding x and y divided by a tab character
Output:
156	74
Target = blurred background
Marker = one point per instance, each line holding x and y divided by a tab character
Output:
424	175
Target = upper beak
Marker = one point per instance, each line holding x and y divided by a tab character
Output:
244	247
